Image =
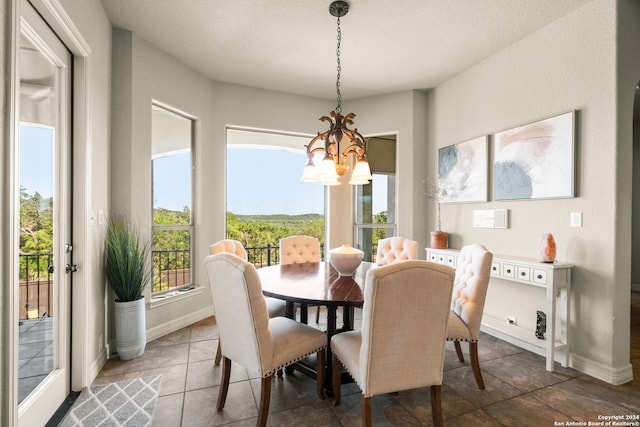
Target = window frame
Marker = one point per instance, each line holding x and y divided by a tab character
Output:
176	227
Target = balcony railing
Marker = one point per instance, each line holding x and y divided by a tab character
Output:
35	285
171	270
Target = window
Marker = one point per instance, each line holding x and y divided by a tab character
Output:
375	206
172	230
265	198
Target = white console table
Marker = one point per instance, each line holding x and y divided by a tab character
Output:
554	277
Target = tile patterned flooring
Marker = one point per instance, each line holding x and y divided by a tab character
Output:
519	391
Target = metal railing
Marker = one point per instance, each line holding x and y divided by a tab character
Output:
35	286
171	269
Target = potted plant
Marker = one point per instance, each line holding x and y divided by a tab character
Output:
128	272
439	238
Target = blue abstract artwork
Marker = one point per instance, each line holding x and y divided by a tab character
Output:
535	161
462	172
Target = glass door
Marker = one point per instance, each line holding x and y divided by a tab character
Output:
44	250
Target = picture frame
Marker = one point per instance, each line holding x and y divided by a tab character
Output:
463	171
536	160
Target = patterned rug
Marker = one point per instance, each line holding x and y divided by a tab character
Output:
126	403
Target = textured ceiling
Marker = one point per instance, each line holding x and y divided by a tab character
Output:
290	45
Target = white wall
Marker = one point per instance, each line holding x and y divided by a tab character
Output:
570	64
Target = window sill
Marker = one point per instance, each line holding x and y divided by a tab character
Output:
170	297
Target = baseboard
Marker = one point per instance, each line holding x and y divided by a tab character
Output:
98	364
611	375
615	376
178	323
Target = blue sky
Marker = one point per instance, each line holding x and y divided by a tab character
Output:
36	160
268	182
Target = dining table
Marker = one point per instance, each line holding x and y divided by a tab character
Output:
317	283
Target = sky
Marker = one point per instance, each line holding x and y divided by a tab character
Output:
36	160
268	182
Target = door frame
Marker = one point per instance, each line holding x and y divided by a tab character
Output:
81	368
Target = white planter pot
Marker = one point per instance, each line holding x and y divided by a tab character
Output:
131	329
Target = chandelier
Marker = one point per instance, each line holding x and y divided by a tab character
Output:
338	137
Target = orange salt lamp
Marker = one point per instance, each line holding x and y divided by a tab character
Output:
547	248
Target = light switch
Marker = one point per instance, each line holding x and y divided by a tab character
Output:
576	219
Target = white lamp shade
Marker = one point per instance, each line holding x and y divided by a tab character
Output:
331	181
361	173
310	174
327	170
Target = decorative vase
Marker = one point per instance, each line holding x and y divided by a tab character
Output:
439	240
547	248
345	259
131	329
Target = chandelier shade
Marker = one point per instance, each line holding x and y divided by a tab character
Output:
339	142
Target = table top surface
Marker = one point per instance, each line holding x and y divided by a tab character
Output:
314	283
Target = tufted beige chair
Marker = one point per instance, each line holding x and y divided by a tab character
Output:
275	306
229	246
404	328
394	249
467	304
261	345
299	250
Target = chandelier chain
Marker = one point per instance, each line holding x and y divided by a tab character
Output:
339	95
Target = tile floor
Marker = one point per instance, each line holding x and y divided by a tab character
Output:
519	391
35	356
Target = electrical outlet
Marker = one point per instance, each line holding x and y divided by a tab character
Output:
512	320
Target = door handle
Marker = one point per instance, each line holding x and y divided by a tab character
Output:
72	268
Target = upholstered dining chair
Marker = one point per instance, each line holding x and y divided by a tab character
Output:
473	271
262	345
394	249
404	328
298	250
275	306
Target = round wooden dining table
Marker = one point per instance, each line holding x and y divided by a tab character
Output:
317	283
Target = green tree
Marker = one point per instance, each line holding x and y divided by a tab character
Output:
36	233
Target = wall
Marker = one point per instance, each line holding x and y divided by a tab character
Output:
570	64
92	96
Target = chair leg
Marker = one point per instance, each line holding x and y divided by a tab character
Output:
265	397
224	383
320	362
459	351
436	405
317	314
218	354
366	411
475	364
336	380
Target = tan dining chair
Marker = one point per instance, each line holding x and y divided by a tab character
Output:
275	306
404	328
473	271
262	345
297	250
394	249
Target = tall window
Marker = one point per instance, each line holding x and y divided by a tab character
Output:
172	199
375	206
265	198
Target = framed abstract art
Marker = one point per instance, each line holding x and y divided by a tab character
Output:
462	171
535	161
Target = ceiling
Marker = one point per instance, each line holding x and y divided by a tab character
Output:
290	45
